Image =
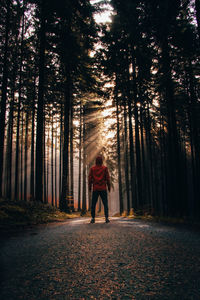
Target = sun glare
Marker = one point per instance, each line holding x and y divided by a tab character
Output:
105	15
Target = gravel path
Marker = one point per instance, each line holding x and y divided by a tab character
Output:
125	259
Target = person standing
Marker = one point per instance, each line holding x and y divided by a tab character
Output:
99	180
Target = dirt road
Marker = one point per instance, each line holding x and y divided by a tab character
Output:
125	259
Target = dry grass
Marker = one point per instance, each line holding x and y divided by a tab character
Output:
13	213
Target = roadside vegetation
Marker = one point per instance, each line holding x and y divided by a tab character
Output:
20	213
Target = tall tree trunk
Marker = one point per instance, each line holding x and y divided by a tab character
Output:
32	177
80	161
83	211
55	170
61	147
21	159
26	155
10	144
134	200
162	167
71	159
48	167
127	183
67	104
4	93
138	158
52	169
10	125
44	168
195	137
149	143
16	195
143	159
137	138
18	114
175	188
121	204
40	107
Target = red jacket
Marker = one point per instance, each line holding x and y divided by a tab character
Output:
99	177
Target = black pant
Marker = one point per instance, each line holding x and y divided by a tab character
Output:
103	195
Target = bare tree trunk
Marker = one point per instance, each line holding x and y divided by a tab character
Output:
4	93
17	153
150	159
121	205
40	108
10	146
194	138
83	211
71	159
55	159
52	169
21	160
48	172
63	200
61	147
139	200
175	188
32	177
26	155
18	116
163	170
143	160
80	161
132	157
127	183
44	166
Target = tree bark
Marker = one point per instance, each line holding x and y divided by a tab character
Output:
71	158
45	162
55	159
52	168
26	154
80	161
175	188
4	93
40	108
32	177
10	141
126	162
21	159
61	148
121	204
83	210
65	161
194	137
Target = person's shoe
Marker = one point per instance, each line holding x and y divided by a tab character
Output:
107	220
92	221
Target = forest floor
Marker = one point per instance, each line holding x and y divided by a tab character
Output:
17	215
125	259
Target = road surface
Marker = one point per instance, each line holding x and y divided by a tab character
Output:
125	259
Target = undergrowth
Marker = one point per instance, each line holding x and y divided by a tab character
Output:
30	213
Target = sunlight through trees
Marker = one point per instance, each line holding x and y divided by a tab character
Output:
116	78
